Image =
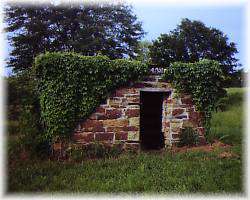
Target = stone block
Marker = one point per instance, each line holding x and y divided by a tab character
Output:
133	100
104	136
142	85
121	136
166	124
132	112
84	137
115	122
178	111
166	133
169	100
90	124
163	85
97	116
187	123
176	126
175	136
134	121
124	128
113	113
115	103
120	92
167	142
133	136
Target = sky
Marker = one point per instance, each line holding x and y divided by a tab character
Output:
162	18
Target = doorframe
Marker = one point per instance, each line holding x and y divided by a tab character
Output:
165	94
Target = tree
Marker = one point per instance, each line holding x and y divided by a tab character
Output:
109	29
192	41
143	51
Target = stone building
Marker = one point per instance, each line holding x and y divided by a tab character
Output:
146	114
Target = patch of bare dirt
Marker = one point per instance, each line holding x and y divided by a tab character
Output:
205	148
227	155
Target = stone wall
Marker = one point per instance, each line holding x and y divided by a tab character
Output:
117	120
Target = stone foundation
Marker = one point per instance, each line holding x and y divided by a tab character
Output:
118	119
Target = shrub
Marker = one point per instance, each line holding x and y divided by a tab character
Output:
188	137
31	132
70	86
203	80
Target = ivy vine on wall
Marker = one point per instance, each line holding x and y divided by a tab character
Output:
202	80
71	86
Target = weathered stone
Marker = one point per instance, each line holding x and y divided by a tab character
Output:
175	126
113	113
115	122
175	136
166	124
176	120
121	136
169	100
119	119
142	85
163	85
167	142
166	132
134	121
89	124
114	103
132	100
97	129
133	135
120	93
132	112
84	137
104	136
176	103
97	116
187	123
178	111
124	128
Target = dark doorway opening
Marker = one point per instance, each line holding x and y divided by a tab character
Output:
151	135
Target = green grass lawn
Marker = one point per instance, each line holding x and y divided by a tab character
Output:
190	172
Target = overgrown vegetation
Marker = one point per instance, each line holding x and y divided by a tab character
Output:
188	137
70	86
202	80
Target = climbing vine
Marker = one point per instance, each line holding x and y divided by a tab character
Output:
71	86
203	80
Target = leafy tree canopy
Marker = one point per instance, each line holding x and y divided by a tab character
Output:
109	29
192	41
143	51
